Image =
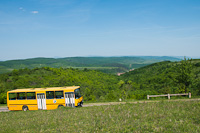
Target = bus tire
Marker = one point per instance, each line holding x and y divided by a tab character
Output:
60	106
81	104
24	108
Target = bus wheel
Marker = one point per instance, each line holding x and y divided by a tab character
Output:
60	106
24	108
81	104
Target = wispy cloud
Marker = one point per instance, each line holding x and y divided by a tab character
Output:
22	9
34	12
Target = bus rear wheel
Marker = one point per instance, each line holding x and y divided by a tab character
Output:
60	106
24	108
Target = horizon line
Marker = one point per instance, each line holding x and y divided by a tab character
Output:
58	57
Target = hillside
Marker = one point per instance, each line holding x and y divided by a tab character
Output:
165	77
158	78
95	85
104	64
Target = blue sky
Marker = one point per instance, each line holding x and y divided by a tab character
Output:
68	28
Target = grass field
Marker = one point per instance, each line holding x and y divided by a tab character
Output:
3	105
164	116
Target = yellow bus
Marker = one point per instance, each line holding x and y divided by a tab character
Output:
44	98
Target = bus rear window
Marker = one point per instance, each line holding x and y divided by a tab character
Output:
12	96
30	95
21	96
59	94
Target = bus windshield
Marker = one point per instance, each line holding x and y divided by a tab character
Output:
77	93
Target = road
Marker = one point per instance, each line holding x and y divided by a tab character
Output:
5	109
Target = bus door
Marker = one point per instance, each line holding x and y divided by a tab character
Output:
69	99
41	101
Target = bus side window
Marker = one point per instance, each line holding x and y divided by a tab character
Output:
12	96
59	94
30	95
21	96
50	94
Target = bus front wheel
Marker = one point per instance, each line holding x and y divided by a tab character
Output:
81	104
24	108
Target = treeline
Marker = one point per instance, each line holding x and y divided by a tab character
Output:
159	78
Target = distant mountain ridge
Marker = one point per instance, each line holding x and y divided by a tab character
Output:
104	64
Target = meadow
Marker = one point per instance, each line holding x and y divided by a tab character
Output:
163	116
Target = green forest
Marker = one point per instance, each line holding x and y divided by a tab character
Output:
158	78
111	65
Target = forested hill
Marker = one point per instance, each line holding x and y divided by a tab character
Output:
95	85
158	78
104	64
166	77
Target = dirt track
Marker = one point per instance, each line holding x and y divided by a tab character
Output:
146	101
5	109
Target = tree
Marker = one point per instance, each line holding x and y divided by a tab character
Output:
183	77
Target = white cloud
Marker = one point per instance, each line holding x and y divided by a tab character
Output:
22	9
35	12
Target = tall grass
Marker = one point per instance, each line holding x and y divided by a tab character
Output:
179	116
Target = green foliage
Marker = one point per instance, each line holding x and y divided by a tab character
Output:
158	78
3	98
93	83
179	116
183	77
165	77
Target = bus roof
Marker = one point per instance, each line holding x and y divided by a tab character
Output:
72	88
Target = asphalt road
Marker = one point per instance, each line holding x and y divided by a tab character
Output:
4	109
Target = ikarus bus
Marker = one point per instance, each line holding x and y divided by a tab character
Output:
44	98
